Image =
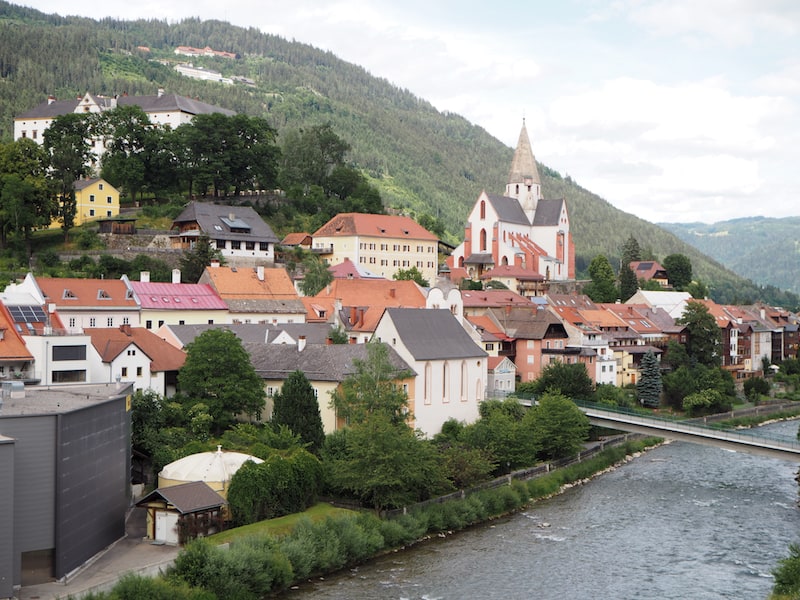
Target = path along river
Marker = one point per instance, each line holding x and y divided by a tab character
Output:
682	521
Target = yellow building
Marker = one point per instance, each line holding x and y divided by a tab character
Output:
94	199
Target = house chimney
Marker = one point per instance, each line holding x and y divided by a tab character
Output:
301	343
352	315
176	275
214	263
160	92
260	273
51	99
126	329
392	292
232	216
144	276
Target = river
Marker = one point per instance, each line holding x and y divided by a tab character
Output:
682	521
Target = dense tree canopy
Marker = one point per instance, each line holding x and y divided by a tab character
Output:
602	288
559	427
703	343
218	373
648	387
679	270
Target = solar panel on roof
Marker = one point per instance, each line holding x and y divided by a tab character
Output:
27	314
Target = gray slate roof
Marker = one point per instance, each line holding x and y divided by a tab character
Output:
190	497
431	334
149	104
214	220
319	362
508	209
548	212
249	305
316	333
529	323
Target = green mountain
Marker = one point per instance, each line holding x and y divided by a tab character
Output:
765	250
422	160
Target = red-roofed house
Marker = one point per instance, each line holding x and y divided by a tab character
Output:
356	305
383	244
82	303
177	303
650	270
347	269
16	361
478	302
528	283
133	354
501	376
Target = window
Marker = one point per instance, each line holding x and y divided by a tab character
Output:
124	371
138	371
126	321
108	199
181	322
91	197
108	213
72	321
91	212
530	359
72	376
92	322
211	321
160	323
236	245
249	245
483	240
483	209
530	344
148	324
263	246
69	353
110	321
100	185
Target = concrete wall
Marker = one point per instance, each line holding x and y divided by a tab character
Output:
6	517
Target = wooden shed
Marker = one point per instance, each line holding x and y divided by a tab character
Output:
179	513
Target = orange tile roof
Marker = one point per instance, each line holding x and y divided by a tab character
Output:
242	283
633	317
365	299
12	346
110	342
296	239
602	318
384	226
493	362
67	292
486	323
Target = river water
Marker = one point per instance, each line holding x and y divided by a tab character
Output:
682	521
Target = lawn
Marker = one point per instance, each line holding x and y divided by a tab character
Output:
279	526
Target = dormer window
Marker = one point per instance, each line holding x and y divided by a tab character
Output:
68	295
103	295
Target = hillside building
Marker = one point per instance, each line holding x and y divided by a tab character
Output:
519	229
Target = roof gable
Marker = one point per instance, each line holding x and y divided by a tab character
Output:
186	498
432	334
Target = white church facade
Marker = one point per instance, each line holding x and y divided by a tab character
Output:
520	234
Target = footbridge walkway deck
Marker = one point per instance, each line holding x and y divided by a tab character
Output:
692	431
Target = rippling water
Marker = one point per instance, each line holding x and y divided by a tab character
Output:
682	521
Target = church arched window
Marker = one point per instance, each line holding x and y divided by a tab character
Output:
483	209
483	240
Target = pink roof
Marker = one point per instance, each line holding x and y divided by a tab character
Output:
177	296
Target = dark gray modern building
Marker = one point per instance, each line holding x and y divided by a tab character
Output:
64	478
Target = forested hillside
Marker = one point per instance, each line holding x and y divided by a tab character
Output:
762	249
421	160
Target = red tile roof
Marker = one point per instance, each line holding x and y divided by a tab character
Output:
489	298
110	343
70	292
177	296
297	239
12	346
385	226
243	283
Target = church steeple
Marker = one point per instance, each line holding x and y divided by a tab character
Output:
523	179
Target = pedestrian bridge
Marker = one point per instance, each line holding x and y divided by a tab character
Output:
689	431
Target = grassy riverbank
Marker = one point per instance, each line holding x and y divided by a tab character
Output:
267	557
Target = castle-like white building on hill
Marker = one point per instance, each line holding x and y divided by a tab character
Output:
519	235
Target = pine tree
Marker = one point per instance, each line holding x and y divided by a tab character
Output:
648	388
628	285
296	406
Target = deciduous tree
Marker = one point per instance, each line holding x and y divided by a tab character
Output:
571	380
559	427
218	372
316	276
602	287
703	334
679	270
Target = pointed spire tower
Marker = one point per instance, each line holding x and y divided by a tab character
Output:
523	180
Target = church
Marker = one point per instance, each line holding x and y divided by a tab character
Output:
519	236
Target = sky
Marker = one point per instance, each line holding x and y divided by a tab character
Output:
671	110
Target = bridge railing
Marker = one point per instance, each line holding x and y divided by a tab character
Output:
690	426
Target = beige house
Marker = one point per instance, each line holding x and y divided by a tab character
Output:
383	244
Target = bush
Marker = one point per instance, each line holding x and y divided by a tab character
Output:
787	574
755	387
